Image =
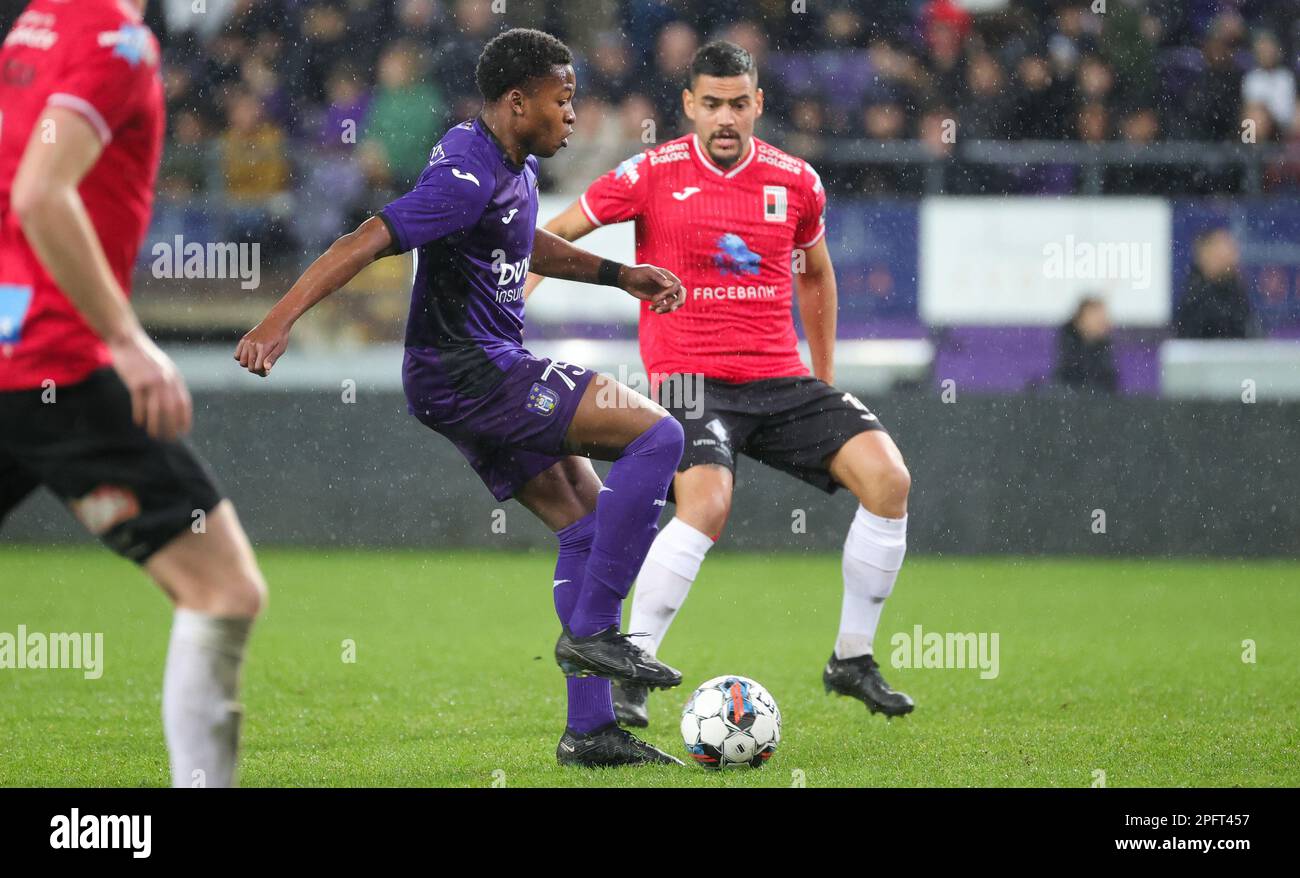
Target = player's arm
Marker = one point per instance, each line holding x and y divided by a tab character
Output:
555	257
258	350
570	225
818	299
55	222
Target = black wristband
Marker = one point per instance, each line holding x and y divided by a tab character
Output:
607	274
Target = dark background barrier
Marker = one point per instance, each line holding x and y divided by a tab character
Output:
1021	475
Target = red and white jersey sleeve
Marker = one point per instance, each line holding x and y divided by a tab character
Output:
812	210
110	84
620	195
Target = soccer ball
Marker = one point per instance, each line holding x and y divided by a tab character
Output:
731	721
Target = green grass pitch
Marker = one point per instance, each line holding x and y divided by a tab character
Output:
1132	668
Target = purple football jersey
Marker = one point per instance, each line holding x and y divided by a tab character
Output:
470	219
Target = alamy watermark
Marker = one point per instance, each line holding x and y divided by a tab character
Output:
216	260
1073	259
34	650
922	649
681	391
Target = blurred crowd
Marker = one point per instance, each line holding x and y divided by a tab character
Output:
302	114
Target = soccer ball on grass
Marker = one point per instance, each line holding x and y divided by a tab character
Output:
731	721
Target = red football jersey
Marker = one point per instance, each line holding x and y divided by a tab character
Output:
730	236
97	58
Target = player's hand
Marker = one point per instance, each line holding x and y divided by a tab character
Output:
258	350
160	401
658	286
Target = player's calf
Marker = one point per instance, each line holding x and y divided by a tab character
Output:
218	590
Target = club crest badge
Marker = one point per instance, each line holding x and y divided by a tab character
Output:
541	399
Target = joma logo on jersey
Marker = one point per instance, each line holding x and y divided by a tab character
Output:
512	272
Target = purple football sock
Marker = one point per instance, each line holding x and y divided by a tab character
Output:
627	519
590	706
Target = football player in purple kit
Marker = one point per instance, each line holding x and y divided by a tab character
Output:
526	425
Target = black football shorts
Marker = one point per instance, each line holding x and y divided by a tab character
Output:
790	424
133	492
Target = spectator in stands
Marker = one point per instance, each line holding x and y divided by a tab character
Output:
843	28
1271	84
1084	358
610	76
323	46
1213	104
1074	36
1130	40
261	81
747	34
253	151
343	121
900	71
1138	127
937	131
219	71
1095	81
807	124
1258	124
473	24
332	191
255	171
1041	101
184	169
675	47
883	119
944	26
1214	302
987	108
405	120
1093	124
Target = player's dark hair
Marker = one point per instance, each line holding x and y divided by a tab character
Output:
515	57
722	59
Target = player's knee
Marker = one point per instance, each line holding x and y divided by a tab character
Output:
896	482
245	596
883	488
666	439
674	435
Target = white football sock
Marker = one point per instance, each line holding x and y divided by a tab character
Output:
201	710
873	555
670	567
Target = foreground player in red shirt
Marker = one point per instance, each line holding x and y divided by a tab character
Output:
89	406
729	214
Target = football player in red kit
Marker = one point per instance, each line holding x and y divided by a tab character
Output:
89	406
732	216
